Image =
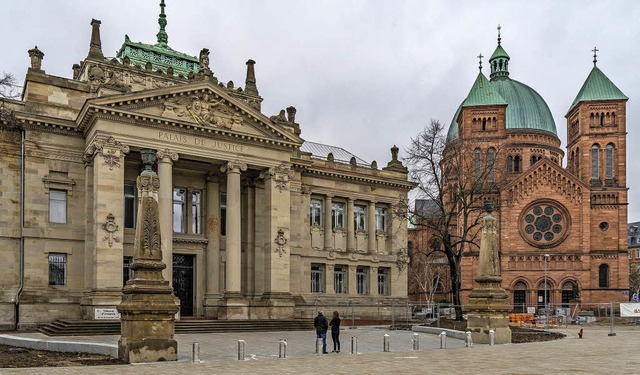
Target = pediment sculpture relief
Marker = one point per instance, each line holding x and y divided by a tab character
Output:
203	109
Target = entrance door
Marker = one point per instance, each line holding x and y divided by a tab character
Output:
183	282
542	299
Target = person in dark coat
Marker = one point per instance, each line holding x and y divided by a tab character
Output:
335	332
321	324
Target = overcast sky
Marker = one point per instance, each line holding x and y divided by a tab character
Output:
364	75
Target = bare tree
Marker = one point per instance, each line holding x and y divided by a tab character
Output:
458	182
8	86
8	90
427	272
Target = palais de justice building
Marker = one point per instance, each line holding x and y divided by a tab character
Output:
570	220
255	221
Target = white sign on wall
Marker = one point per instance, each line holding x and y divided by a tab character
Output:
106	314
630	310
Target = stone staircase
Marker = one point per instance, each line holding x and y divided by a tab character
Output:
112	327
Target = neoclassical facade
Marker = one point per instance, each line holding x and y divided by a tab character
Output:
255	222
562	228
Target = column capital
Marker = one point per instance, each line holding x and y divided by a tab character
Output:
233	167
111	151
215	177
166	156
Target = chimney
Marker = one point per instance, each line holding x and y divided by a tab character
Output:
36	58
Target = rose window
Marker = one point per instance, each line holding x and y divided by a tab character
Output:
544	223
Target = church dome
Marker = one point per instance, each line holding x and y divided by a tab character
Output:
526	110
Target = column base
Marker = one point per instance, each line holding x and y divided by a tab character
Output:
233	306
276	305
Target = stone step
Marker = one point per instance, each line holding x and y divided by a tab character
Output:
112	327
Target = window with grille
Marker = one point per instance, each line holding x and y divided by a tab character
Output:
340	279
57	206
609	161
57	269
491	159
179	210
130	191
315	212
477	163
337	215
383	280
196	212
595	154
361	279
317	278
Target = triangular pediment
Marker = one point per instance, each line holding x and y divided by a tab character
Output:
199	105
545	174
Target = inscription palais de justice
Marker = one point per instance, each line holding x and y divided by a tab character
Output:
199	142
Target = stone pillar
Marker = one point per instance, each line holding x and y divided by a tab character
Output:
250	230
371	227
488	307
165	205
233	234
351	279
328	229
373	281
212	295
107	209
148	306
351	230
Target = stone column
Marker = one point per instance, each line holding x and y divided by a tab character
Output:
328	230
351	279
165	206
371	226
213	246
233	222
351	231
250	230
373	281
106	254
275	242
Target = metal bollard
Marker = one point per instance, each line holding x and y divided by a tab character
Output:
443	340
354	345
196	352
282	349
416	341
319	346
469	341
492	338
241	345
385	343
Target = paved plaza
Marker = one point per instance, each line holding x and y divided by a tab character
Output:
595	353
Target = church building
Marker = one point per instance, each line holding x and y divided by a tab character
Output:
562	228
255	221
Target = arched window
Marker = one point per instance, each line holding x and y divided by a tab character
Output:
577	162
601	119
603	276
520	296
509	164
477	163
516	164
609	161
491	159
595	155
570	292
484	124
532	160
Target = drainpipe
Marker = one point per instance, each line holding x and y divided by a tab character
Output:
22	182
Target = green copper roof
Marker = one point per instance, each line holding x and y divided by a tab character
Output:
597	87
160	55
525	108
483	93
499	52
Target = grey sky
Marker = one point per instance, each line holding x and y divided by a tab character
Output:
364	75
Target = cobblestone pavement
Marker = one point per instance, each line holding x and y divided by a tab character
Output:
595	353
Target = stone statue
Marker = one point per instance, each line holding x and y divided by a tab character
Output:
204	60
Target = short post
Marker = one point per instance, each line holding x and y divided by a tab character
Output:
393	315
196	352
319	346
282	349
241	345
385	343
611	333
492	338
443	340
416	341
469	341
